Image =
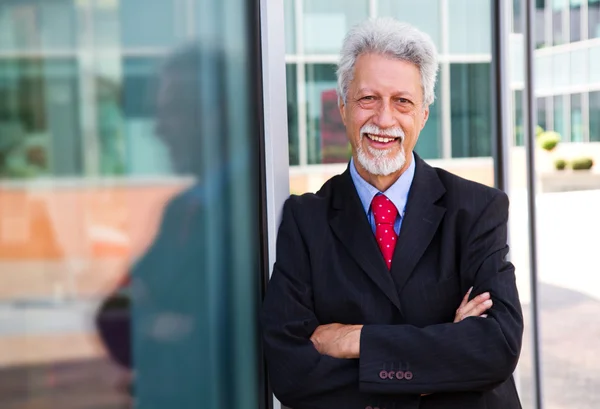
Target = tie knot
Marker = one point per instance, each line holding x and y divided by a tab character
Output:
384	210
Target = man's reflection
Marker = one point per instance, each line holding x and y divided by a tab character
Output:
168	315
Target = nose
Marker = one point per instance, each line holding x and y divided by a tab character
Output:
384	118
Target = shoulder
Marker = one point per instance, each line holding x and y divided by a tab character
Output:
467	193
312	205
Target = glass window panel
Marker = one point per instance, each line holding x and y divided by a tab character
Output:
162	24
560	125
540	24
429	144
541	113
559	34
517	24
470	94
594	18
292	112
107	272
544	72
517	58
327	141
470	35
561	69
107	24
578	67
519	131
576	119
326	23
595	116
594	63
39	118
37	25
575	20
289	9
424	14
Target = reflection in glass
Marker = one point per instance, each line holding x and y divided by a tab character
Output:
327	141
39	118
470	35
424	14
326	23
594	18
37	25
595	116
471	110
292	111
129	226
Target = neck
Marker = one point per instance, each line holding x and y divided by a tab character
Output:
381	183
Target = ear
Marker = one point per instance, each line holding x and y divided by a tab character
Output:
425	117
342	107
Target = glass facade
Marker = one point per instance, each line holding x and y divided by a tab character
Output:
312	93
129	208
471	110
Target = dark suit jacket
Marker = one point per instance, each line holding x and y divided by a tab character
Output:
329	270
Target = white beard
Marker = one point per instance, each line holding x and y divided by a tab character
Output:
378	162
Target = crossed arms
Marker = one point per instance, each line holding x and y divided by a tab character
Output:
308	360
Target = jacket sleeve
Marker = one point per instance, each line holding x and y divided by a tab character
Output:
474	354
299	374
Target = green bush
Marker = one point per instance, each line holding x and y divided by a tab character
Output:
538	131
583	163
549	140
560	164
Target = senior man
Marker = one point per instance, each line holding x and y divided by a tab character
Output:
391	287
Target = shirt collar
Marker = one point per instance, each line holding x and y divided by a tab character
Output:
397	193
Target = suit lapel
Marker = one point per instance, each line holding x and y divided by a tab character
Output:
420	223
349	223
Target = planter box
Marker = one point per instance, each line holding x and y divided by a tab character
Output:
569	180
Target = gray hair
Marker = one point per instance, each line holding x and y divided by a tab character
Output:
392	38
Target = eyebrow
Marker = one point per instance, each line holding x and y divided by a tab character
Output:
401	93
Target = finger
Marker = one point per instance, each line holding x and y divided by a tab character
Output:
478	310
475	302
465	299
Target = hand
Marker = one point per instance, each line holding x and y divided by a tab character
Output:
337	340
474	308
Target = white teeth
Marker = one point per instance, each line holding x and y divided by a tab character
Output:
380	139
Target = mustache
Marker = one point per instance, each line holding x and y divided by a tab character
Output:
389	132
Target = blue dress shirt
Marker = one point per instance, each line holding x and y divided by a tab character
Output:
397	193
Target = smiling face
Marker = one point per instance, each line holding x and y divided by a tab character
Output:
383	114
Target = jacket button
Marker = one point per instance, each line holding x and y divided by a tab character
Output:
400	375
369	407
408	375
391	374
383	374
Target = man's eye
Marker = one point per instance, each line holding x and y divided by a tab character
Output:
403	100
368	98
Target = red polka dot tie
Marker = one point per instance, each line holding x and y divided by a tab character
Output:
385	214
